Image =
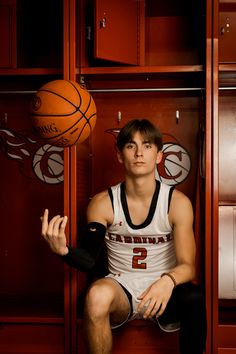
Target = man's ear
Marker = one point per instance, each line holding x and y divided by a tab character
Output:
159	157
119	156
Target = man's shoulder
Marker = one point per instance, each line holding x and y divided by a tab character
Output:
181	210
180	196
100	208
180	201
100	197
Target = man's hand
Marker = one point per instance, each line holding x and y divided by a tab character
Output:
54	233
155	298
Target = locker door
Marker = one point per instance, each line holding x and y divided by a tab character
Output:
227	148
118	30
227	252
227	52
7	33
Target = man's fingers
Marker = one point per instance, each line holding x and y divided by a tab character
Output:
154	309
53	226
56	226
144	305
59	226
53	231
64	222
157	310
149	309
44	220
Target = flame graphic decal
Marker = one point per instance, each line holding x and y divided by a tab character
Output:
36	160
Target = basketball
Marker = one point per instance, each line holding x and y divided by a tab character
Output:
63	113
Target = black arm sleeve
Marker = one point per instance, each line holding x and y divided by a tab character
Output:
84	258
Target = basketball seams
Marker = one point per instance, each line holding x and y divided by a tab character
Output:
60	116
84	113
77	108
76	89
86	124
62	129
82	129
83	116
63	98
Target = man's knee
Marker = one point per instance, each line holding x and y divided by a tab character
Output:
191	293
98	299
194	296
192	302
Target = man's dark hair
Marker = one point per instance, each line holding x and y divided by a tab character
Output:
146	129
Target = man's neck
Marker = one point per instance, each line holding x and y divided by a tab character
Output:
140	187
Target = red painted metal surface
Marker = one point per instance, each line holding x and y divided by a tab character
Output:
117	30
8	33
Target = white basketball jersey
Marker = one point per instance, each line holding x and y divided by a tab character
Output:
145	250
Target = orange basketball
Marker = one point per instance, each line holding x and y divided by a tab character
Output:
63	113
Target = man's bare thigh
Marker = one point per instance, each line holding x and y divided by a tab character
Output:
119	307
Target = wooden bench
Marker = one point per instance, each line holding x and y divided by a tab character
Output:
139	337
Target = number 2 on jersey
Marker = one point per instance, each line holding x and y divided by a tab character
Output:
139	257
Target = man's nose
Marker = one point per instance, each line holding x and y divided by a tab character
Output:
139	151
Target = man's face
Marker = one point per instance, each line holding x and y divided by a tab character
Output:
139	156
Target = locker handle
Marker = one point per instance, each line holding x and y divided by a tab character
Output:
103	22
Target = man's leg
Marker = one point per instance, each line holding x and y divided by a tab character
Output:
106	302
193	327
187	305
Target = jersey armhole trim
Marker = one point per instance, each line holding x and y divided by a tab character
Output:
169	198
111	197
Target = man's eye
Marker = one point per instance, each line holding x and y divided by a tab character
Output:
130	146
148	146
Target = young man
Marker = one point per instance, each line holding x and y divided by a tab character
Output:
148	231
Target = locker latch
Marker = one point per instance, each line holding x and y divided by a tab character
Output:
226	27
103	22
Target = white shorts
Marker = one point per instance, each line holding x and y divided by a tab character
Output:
136	286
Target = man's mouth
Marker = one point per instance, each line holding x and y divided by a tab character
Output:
139	163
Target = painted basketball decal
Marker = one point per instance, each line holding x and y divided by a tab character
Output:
175	165
45	162
48	164
35	160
